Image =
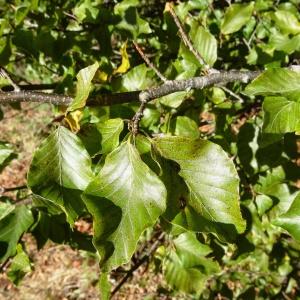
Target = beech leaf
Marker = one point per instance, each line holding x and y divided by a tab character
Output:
290	221
210	176
125	198
60	169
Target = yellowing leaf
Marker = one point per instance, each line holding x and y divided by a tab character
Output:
101	76
73	118
125	64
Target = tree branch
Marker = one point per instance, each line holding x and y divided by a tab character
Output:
166	88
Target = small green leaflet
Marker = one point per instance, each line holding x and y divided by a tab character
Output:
210	176
290	220
278	81
236	16
12	226
281	115
83	87
61	167
125	198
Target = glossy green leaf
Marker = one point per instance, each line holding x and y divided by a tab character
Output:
210	175
281	115
60	170
236	16
290	220
110	132
12	227
125	198
277	81
205	43
83	87
286	21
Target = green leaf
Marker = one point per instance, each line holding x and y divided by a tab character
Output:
278	81
85	11
210	175
125	198
184	126
83	87
284	43
290	220
110	132
19	267
188	243
186	278
281	115
138	78
174	100
6	152
130	19
12	226
187	268
286	21
5	209
236	16
273	184
60	169
205	43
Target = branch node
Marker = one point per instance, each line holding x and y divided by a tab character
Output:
133	125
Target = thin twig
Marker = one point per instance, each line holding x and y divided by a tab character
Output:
185	38
5	74
149	63
151	251
230	92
